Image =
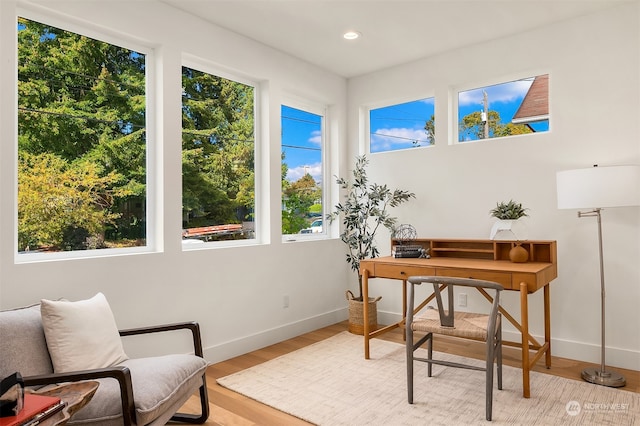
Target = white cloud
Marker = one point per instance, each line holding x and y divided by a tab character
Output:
315	170
316	137
499	93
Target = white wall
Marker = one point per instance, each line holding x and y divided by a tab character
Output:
593	63
236	294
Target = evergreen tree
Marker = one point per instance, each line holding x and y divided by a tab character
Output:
217	150
81	105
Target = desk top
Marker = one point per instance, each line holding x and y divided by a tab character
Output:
442	262
481	259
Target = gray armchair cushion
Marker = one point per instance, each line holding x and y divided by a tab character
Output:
157	384
28	351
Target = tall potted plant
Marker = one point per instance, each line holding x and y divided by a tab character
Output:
363	211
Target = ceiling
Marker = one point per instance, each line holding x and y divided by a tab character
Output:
393	31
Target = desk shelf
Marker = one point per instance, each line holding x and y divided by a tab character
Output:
539	251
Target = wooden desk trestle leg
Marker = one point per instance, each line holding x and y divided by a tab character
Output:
365	311
524	323
547	325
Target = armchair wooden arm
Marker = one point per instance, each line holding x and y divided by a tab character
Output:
121	374
191	325
197	348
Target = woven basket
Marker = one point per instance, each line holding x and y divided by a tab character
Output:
356	314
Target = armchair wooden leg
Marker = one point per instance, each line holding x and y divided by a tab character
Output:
204	409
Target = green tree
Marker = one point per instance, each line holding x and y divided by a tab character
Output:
430	128
472	127
55	197
217	150
83	102
298	199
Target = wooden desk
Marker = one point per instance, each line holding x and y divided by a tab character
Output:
480	259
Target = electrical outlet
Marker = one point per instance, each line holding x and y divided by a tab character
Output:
462	300
285	301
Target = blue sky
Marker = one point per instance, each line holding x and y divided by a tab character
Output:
302	143
399	126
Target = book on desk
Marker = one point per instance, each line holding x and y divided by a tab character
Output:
36	408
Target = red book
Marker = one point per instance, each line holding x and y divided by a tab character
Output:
36	408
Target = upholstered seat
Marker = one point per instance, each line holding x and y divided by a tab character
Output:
142	391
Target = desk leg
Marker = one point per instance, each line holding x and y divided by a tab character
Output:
365	311
404	308
547	325
524	322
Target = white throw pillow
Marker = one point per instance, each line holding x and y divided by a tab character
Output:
81	335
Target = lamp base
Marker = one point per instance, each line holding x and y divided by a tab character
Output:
604	378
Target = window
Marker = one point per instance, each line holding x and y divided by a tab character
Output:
302	171
402	126
82	142
218	181
512	108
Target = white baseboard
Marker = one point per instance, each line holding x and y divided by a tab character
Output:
245	344
615	357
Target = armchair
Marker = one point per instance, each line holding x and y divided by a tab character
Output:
143	391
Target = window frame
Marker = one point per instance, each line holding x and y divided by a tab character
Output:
208	67
321	110
153	232
454	93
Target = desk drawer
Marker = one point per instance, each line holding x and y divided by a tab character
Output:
503	278
401	272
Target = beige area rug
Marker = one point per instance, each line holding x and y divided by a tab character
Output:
330	383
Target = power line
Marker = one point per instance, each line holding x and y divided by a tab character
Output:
399	119
91	77
213	135
81	117
302	147
301	120
400	137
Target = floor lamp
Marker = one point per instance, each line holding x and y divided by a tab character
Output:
596	188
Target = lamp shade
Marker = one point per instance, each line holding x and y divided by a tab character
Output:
598	187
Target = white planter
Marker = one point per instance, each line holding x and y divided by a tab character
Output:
509	230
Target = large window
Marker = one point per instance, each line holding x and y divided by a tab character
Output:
302	171
81	142
402	126
218	181
511	108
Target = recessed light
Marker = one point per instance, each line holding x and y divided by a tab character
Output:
351	35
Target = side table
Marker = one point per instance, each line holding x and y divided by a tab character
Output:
76	395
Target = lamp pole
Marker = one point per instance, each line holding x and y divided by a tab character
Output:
593	375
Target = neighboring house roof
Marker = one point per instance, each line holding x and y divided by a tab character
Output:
535	105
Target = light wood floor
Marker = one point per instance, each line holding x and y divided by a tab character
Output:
230	408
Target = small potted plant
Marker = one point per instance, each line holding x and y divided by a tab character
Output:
364	210
508	226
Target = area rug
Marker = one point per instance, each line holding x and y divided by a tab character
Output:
330	383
